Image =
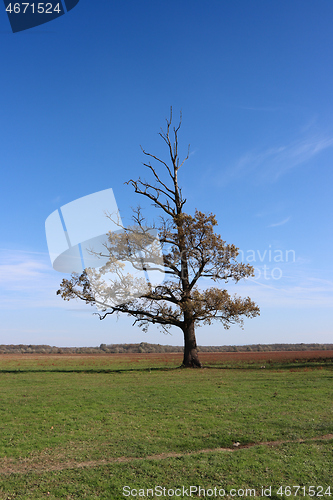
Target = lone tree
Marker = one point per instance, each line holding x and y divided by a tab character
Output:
191	251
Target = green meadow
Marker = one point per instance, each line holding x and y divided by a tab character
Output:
76	430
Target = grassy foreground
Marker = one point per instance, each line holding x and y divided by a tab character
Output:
87	434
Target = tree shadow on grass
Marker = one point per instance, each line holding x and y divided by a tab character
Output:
304	365
88	370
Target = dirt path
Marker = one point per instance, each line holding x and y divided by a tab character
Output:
9	466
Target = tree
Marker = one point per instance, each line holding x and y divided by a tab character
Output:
191	252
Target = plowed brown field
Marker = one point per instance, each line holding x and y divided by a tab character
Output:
136	360
280	356
226	357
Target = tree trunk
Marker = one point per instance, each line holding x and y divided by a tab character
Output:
191	359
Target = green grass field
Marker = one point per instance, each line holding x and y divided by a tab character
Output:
72	429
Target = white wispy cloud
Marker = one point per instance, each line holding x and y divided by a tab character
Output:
281	223
27	280
19	270
299	287
270	164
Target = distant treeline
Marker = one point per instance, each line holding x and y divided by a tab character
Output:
144	347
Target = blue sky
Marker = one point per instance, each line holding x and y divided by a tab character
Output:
254	81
